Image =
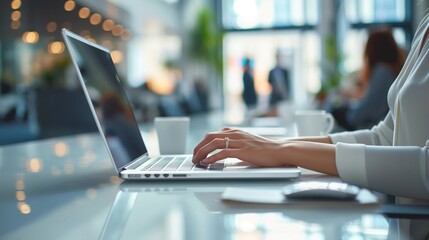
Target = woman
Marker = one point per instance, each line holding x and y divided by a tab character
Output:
383	60
391	158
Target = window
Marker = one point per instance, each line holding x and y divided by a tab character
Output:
364	14
259	29
376	11
253	14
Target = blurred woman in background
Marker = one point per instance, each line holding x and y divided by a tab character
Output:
382	62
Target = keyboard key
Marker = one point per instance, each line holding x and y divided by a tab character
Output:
200	167
173	165
158	166
186	166
147	166
218	166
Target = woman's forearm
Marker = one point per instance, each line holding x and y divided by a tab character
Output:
321	139
312	155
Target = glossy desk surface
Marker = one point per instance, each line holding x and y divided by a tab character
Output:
66	188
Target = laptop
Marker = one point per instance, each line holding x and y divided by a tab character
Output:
116	122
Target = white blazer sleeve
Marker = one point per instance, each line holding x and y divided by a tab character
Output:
382	134
383	169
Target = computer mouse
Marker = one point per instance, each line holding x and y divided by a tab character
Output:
321	190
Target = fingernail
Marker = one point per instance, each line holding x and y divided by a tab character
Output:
204	161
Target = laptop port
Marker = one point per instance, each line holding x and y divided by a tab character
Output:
165	175
147	175
156	175
179	175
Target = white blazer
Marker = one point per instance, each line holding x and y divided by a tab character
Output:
392	157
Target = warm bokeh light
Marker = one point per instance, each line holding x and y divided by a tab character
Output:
51	27
15	15
15	4
117	56
117	30
24	208
56	47
162	85
30	37
20	195
15	25
61	149
108	25
126	35
84	12
95	19
34	165
69	5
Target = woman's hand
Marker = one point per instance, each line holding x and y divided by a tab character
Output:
315	153
250	148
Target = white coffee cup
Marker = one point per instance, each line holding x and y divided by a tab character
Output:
313	122
172	134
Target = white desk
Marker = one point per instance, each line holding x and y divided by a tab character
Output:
66	188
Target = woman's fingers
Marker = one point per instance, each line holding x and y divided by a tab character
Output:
221	155
257	157
217	143
210	136
207	138
245	156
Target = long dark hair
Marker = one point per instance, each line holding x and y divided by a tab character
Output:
381	47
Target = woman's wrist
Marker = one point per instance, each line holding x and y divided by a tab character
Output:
311	155
316	139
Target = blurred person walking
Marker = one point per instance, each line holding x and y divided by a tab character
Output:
249	93
278	78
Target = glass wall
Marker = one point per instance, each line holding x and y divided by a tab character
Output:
362	15
376	11
260	29
245	14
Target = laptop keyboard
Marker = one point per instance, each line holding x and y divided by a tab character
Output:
180	164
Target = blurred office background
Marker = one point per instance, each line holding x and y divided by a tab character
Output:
181	57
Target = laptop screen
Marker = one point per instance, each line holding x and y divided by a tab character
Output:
108	100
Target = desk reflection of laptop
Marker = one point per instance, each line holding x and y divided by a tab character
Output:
206	192
114	116
131	198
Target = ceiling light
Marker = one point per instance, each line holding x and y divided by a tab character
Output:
117	30
51	27
15	15
69	5
15	4
108	25
84	12
30	37
56	47
95	19
117	56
